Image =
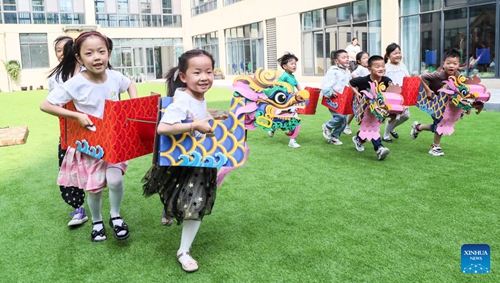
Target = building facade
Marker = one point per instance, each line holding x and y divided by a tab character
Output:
244	35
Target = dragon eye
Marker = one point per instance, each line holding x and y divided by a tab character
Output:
280	98
463	92
380	101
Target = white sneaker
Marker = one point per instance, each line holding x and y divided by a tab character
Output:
79	217
327	133
270	133
436	151
347	130
382	153
293	143
359	146
414	131
335	141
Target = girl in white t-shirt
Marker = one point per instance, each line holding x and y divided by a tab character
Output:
187	193
89	90
396	71
68	67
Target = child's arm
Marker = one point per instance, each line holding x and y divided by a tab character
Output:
298	86
201	126
428	92
327	86
56	110
132	90
355	91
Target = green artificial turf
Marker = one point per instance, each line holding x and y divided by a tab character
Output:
320	213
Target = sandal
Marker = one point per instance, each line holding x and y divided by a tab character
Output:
165	220
101	233
191	265
394	135
119	228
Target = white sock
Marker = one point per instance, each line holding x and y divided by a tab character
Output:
94	201
114	179
189	231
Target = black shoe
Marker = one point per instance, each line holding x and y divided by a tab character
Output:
118	228
394	135
100	233
387	139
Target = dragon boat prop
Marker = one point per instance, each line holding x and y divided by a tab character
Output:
342	103
269	104
126	130
458	96
376	105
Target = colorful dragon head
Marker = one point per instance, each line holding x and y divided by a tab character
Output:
269	104
382	101
466	93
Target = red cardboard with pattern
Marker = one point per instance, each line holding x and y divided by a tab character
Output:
126	131
409	90
342	104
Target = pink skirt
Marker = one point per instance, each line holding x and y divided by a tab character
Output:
85	172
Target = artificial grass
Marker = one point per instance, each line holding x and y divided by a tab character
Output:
320	213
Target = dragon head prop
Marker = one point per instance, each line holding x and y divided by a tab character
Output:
382	102
269	104
466	93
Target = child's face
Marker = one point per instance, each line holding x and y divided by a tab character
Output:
199	76
364	60
377	69
60	49
94	55
343	59
395	56
290	66
450	65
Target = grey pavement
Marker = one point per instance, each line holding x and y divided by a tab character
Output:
493	104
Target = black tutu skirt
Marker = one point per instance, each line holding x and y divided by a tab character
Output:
187	193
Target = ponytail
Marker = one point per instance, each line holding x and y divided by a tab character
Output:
67	66
173	81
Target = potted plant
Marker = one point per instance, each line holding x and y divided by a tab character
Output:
13	68
218	74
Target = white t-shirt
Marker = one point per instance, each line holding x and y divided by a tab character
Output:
184	107
87	96
352	51
53	83
360	72
396	72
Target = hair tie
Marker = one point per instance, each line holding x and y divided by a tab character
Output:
176	74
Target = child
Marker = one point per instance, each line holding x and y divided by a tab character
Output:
376	65
88	90
187	193
432	82
360	71
67	68
396	71
336	78
289	63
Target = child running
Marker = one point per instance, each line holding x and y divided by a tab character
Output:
337	77
187	193
67	68
360	71
89	90
289	63
396	71
432	82
376	65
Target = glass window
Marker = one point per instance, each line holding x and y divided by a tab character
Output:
38	5
100	6
344	13
9	5
34	50
122	6
374	9
145	6
359	11
410	43
374	38
430	5
482	37
307	23
66	5
24	18
430	37
10	18
409	7
331	17
167	6
245	49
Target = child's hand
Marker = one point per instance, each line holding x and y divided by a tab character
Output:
203	126
84	120
430	95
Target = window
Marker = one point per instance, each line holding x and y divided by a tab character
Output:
202	6
332	28
469	29
137	13
34	50
245	49
229	2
